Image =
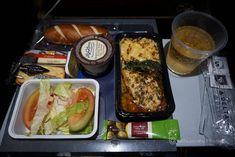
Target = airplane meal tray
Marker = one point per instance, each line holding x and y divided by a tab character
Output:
106	106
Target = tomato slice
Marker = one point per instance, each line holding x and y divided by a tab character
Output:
80	120
83	94
30	108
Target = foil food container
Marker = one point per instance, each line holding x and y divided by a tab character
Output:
129	116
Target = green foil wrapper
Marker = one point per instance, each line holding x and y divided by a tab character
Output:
162	129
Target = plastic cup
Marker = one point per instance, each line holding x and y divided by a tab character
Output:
195	37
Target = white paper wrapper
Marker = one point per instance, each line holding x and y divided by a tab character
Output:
219	73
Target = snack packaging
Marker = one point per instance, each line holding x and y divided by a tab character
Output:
44	57
39	64
163	129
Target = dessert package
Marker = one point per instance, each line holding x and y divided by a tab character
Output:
163	129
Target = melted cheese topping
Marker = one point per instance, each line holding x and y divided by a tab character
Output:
141	91
144	89
139	49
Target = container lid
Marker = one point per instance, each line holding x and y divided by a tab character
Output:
93	50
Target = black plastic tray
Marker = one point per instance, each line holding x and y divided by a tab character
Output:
143	116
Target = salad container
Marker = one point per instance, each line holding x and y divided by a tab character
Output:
17	128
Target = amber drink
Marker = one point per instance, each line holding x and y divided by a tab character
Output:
194	39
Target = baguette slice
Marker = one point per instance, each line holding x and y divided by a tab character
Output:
68	34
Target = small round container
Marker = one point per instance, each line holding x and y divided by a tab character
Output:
94	53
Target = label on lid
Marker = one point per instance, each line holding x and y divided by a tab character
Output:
93	50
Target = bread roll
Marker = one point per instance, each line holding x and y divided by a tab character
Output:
68	34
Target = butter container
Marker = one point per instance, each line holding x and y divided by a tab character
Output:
94	53
17	128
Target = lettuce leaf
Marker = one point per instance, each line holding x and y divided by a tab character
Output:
60	119
42	109
88	129
63	90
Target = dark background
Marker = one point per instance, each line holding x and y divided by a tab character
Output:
20	18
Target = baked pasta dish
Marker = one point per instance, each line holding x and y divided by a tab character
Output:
141	76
